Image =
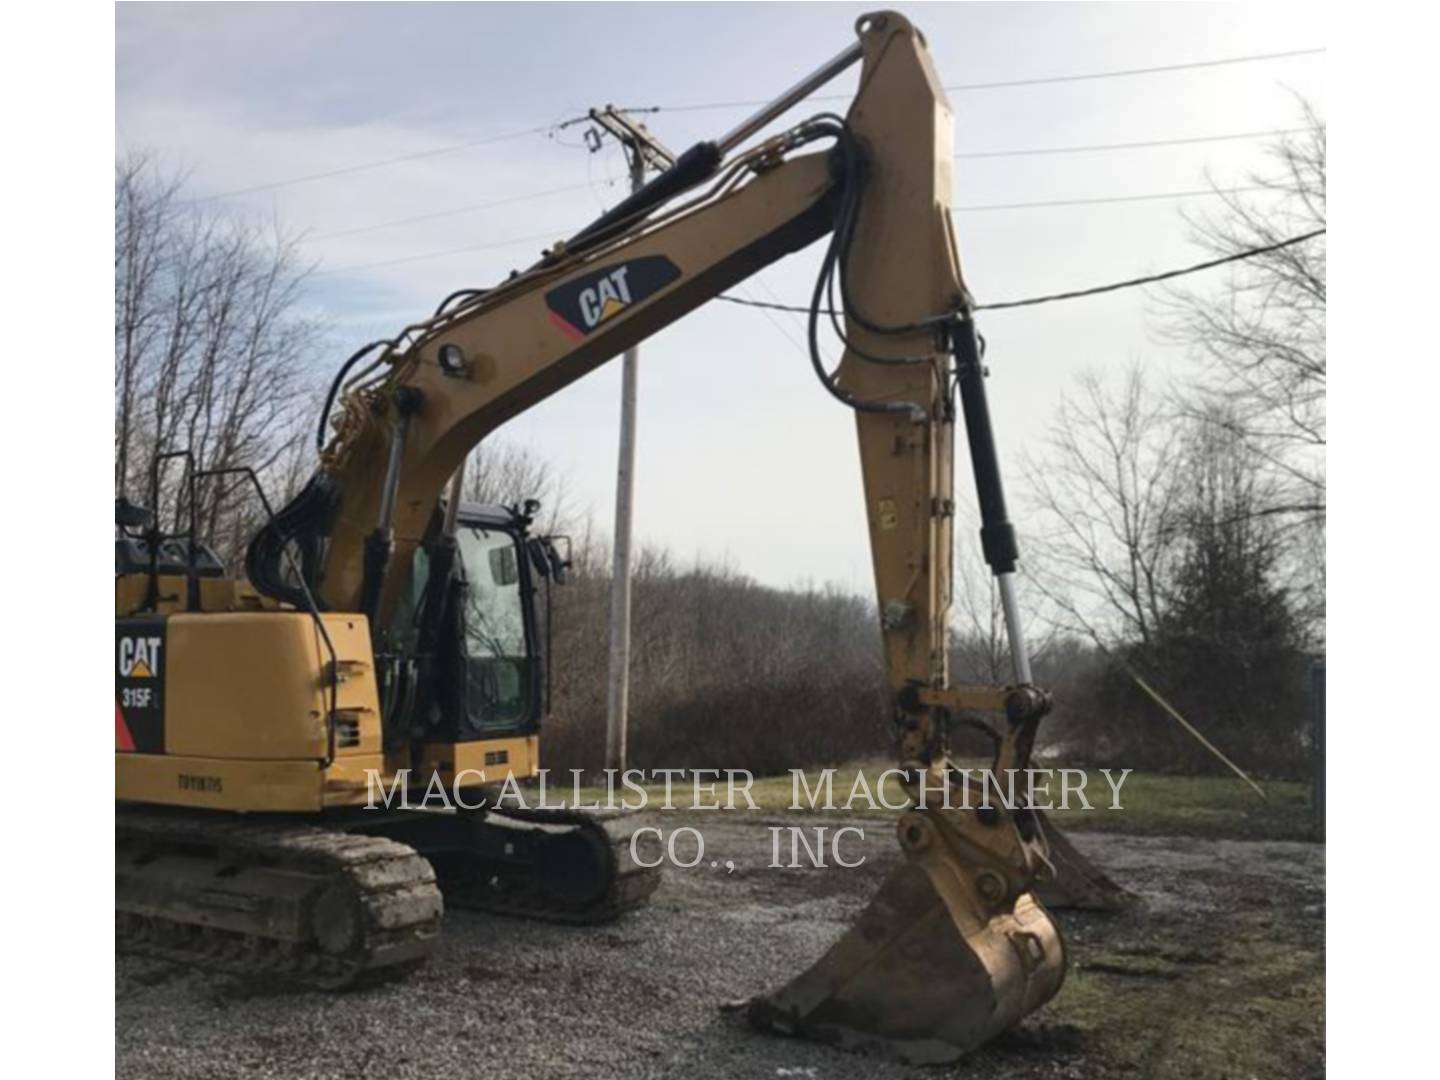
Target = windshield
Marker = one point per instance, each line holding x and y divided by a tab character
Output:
498	682
495	668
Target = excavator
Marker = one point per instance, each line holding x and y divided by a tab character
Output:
385	628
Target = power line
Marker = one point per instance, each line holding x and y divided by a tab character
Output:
760	281
1095	290
476	207
962	209
1124	73
1151	279
381	163
1099	147
1003	84
544	128
456	210
514	242
1151	196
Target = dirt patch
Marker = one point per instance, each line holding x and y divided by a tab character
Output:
1218	972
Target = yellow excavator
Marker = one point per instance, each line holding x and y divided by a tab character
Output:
383	625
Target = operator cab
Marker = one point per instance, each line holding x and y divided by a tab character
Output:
487	668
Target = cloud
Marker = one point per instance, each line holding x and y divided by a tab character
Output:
739	450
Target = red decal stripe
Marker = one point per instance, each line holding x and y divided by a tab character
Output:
565	328
123	739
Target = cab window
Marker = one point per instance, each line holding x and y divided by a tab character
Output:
498	683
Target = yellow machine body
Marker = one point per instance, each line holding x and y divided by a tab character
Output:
242	698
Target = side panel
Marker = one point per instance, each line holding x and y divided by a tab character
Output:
357	698
225	711
248	685
245	685
217	783
302	787
484	762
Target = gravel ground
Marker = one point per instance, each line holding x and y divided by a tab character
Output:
1217	972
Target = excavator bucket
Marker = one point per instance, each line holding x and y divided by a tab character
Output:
931	969
1076	883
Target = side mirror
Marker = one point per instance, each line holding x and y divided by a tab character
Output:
559	567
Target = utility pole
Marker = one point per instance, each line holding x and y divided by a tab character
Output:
644	151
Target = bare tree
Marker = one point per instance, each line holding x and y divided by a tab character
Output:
1154	545
508	474
1259	342
1107	509
142	205
212	351
979	644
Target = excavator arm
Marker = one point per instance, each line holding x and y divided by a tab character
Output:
955	948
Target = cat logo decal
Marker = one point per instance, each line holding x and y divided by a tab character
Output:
581	306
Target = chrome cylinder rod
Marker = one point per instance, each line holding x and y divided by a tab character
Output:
1019	657
801	90
392	472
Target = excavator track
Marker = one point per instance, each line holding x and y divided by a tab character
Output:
560	866
307	905
604	885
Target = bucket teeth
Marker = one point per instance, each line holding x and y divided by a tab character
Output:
928	972
1076	883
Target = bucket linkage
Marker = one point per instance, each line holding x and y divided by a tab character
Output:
955	948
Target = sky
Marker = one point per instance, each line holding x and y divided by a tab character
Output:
741	456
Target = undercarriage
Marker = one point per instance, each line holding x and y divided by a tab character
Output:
347	900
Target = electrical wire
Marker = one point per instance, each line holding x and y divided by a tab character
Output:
986	154
1129	283
463	301
513	242
1092	148
381	163
1151	279
834	265
561	125
454	211
1004	84
1100	200
960	209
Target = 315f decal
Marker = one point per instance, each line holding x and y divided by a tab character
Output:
140	685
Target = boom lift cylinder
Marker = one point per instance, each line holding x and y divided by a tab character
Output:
997	535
